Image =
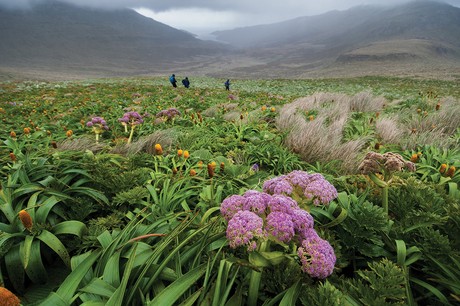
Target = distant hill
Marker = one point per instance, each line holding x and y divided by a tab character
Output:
420	35
57	40
62	36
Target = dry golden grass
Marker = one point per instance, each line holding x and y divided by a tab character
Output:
146	144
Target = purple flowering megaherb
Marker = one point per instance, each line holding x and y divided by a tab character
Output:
231	205
256	202
170	113
278	185
317	257
313	187
243	229
303	223
131	118
282	203
97	122
280	226
320	191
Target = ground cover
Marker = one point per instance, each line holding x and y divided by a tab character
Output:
308	192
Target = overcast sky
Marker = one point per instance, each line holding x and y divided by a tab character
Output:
204	16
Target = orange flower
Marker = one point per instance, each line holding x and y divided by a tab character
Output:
443	168
451	171
13	134
26	130
311	117
272	109
158	149
186	154
7	298
13	156
26	219
210	170
263	108
179	152
414	158
213	165
192	172
69	133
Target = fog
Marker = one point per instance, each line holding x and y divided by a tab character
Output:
205	16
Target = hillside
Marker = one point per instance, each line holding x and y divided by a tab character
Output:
56	40
415	38
61	36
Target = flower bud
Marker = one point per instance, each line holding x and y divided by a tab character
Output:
186	154
13	134
158	149
443	168
69	133
26	219
451	171
414	158
179	152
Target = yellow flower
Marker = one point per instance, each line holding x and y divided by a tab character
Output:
311	117
414	158
272	109
263	108
26	219
7	298
186	154
158	149
69	133
179	152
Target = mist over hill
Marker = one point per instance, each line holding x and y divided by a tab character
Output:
420	38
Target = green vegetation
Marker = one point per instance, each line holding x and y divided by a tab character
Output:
131	214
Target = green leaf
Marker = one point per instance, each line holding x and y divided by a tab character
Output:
291	295
112	270
25	250
14	268
68	288
42	212
258	260
71	227
433	290
99	287
56	245
35	270
175	290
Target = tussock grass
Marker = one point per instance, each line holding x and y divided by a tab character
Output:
80	144
146	144
388	130
322	138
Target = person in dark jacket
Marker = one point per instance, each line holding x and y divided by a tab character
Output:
227	84
186	82
173	81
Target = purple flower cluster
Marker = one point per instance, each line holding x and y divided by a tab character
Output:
316	256
98	122
169	113
131	118
256	216
313	187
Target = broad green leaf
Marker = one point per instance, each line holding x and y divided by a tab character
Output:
36	270
99	287
56	245
42	212
72	227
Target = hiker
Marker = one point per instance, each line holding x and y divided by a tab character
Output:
173	81
227	84
186	82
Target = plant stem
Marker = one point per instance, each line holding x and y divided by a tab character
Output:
385	199
254	281
131	134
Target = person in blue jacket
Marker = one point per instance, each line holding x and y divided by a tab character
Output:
173	81
186	82
227	84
